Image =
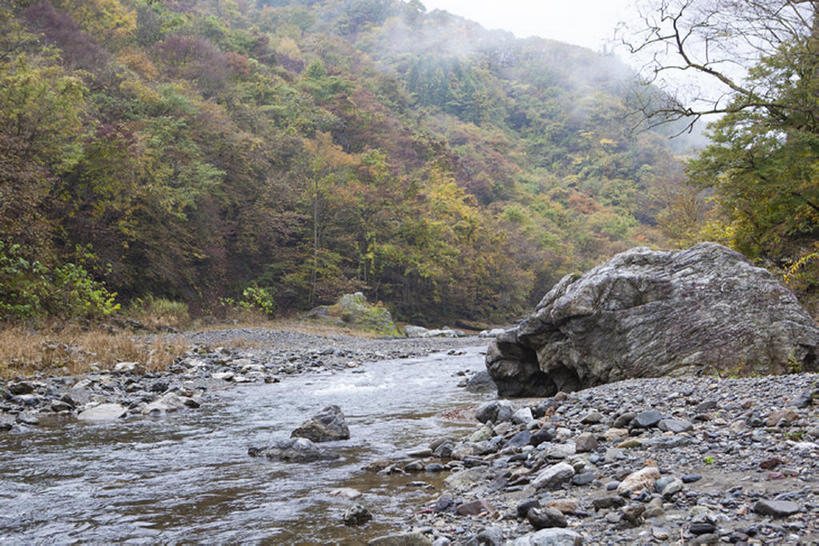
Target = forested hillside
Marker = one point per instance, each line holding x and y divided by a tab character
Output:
191	149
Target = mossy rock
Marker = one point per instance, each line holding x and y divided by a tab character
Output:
353	310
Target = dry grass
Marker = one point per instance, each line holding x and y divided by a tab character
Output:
73	350
158	313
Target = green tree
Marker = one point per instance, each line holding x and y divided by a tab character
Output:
763	162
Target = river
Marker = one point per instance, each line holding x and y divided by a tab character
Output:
186	477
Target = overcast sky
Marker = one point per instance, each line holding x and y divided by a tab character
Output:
589	23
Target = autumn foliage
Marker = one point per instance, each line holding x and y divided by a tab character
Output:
308	149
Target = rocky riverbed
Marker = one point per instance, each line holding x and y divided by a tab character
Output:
692	460
218	359
667	460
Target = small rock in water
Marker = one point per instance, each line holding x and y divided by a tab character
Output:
27	418
103	412
346	492
297	450
357	515
325	426
167	403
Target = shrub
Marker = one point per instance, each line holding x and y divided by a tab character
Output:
258	299
29	289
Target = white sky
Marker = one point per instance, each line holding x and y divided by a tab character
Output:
589	23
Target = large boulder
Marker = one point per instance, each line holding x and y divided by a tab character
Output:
646	313
326	426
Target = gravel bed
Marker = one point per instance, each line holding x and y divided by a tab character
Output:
691	460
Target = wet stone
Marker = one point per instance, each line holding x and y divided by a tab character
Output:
443	504
584	478
585	442
550	537
541	436
624	420
27	418
648	418
702	528
633	513
473	508
544	518
554	476
520	439
403	539
356	515
491	536
591	418
524	507
676	426
777	508
611	501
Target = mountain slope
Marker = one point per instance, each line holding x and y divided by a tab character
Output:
311	148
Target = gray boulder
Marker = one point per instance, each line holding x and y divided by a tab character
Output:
326	426
646	313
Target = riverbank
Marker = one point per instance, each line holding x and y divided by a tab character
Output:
693	460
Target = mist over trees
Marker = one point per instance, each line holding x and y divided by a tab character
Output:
302	149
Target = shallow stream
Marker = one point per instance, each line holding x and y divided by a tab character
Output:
186	477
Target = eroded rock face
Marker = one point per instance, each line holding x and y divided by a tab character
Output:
646	313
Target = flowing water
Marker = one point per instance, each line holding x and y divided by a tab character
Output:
187	477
